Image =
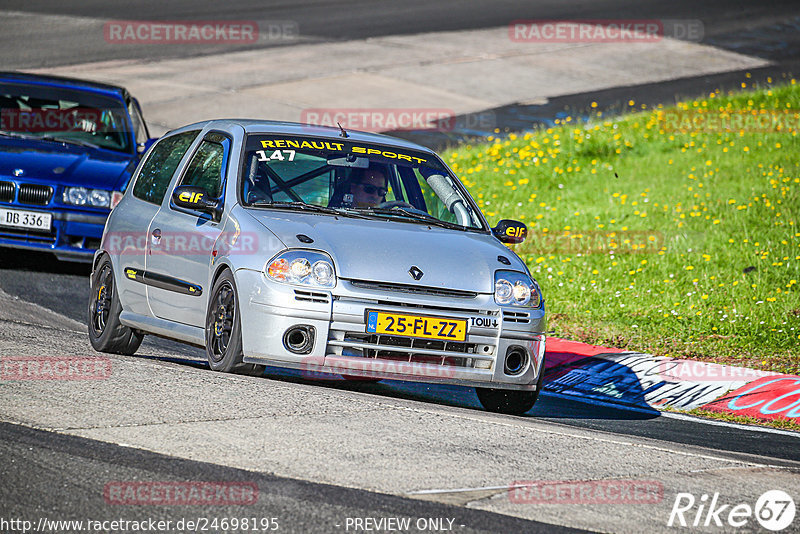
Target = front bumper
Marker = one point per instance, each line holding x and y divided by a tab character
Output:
341	344
74	235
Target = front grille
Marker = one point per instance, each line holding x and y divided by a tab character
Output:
26	236
35	194
417	290
406	349
7	191
516	317
310	296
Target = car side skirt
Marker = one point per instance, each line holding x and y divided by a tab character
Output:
162	327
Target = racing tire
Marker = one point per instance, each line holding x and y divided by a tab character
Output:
106	333
223	330
508	401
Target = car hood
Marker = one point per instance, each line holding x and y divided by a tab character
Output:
67	165
384	250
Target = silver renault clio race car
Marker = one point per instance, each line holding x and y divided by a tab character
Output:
319	249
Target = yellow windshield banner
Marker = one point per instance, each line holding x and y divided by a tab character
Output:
332	146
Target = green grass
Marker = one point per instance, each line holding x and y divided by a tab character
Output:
652	238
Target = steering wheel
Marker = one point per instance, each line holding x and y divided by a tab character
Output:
403	205
396	204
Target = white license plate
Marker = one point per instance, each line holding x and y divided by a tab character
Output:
31	220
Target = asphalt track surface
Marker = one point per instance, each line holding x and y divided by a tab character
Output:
49	473
62	41
63	477
63	288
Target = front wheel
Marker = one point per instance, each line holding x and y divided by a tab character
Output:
224	330
507	401
106	333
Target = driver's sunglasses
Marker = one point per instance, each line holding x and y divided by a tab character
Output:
373	190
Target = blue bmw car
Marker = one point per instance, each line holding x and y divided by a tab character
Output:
68	148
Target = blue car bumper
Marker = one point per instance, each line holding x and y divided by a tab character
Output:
74	234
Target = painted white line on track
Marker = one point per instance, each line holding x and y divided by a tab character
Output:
458	490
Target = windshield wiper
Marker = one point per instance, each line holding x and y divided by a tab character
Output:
425	218
302	206
69	141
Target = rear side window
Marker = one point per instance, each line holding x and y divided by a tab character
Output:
157	171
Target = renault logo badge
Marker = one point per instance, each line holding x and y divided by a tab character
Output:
415	272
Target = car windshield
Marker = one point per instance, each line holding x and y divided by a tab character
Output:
354	178
64	115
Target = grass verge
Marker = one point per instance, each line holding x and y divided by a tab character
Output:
671	231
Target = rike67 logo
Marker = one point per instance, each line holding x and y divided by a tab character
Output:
774	510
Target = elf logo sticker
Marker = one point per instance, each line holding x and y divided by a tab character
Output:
518	231
192	197
510	231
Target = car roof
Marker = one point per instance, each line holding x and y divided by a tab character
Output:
256	126
64	82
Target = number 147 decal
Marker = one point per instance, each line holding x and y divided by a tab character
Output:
278	155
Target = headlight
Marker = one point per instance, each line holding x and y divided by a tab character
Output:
302	267
81	196
516	289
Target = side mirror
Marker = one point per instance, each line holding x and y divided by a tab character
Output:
510	231
194	198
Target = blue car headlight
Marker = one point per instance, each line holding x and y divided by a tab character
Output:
82	196
303	268
513	288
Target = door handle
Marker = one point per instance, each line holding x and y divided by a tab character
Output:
155	237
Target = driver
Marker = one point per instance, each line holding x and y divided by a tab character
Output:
368	188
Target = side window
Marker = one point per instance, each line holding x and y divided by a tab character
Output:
207	167
139	129
157	171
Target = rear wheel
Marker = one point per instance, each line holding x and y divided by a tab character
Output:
106	333
224	330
